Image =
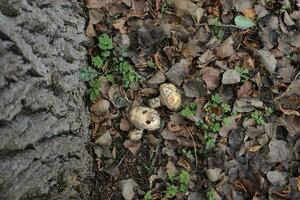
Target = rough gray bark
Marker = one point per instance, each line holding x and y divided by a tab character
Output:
43	119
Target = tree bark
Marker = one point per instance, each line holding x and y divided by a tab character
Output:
43	118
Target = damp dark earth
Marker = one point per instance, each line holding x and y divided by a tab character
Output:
150	99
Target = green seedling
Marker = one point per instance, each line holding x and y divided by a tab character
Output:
98	62
105	42
172	190
258	117
189	110
130	76
243	72
88	73
210	195
268	111
184	181
94	89
147	196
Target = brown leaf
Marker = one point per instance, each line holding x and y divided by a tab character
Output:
254	148
158	62
211	76
151	139
132	146
249	13
245	90
225	49
90	31
289	112
119	25
171	126
124	125
185	164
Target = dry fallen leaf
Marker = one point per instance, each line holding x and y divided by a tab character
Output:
90	31
185	164
124	125
289	112
132	146
245	90
211	76
254	148
119	25
249	13
225	49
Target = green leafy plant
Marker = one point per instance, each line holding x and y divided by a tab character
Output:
105	42
210	195
258	117
184	180
116	58
147	196
88	73
269	111
98	62
94	89
130	76
243	72
172	190
189	110
217	27
210	142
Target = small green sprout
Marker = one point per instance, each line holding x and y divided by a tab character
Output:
184	180
269	111
147	196
105	42
171	191
94	89
151	64
210	195
98	62
243	72
189	110
88	73
210	142
258	117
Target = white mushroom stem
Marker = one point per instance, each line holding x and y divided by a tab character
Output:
135	134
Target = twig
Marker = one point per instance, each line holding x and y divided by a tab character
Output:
194	143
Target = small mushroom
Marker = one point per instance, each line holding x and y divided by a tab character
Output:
135	134
169	96
143	118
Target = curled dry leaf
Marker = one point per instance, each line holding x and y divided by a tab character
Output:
289	112
185	164
225	49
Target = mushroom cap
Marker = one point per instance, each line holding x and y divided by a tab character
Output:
135	134
170	96
144	118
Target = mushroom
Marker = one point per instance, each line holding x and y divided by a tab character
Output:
169	96
143	118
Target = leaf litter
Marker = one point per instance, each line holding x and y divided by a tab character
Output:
236	65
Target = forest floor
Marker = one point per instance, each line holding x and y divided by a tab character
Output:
235	63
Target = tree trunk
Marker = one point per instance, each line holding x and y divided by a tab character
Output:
43	118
